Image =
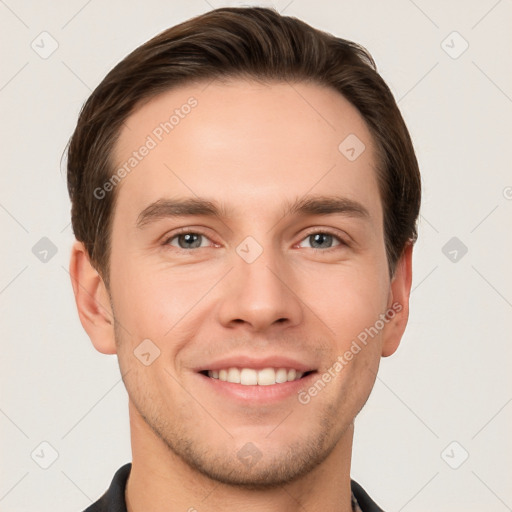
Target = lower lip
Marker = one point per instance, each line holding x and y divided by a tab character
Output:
258	394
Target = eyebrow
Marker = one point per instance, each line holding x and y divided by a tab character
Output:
316	205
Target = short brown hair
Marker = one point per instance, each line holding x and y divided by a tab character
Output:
255	43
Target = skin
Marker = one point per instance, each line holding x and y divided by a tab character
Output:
251	148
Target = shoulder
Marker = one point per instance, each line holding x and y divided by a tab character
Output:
363	499
113	500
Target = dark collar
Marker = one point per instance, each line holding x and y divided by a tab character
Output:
113	500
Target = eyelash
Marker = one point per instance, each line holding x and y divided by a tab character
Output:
342	242
185	231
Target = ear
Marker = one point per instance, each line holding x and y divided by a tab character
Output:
92	300
398	303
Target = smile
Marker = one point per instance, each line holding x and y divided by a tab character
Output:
253	377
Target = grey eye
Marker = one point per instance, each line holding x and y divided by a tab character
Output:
189	240
321	240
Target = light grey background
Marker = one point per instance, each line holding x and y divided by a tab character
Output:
449	381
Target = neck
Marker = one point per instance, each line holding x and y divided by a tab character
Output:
161	481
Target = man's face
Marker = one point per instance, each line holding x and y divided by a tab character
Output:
258	286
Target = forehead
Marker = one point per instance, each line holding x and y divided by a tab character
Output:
247	145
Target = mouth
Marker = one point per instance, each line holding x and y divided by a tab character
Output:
251	381
257	377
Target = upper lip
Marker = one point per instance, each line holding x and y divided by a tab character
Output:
257	363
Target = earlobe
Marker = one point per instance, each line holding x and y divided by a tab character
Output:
398	305
92	300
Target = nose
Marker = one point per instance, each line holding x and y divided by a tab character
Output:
260	295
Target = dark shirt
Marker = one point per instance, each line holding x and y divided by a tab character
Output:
113	500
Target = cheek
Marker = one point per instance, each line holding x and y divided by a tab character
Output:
150	301
348	300
152	388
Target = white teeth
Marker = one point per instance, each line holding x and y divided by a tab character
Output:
251	377
248	377
266	377
234	375
282	375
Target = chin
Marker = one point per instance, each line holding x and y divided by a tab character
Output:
253	469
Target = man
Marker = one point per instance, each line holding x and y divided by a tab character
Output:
244	197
